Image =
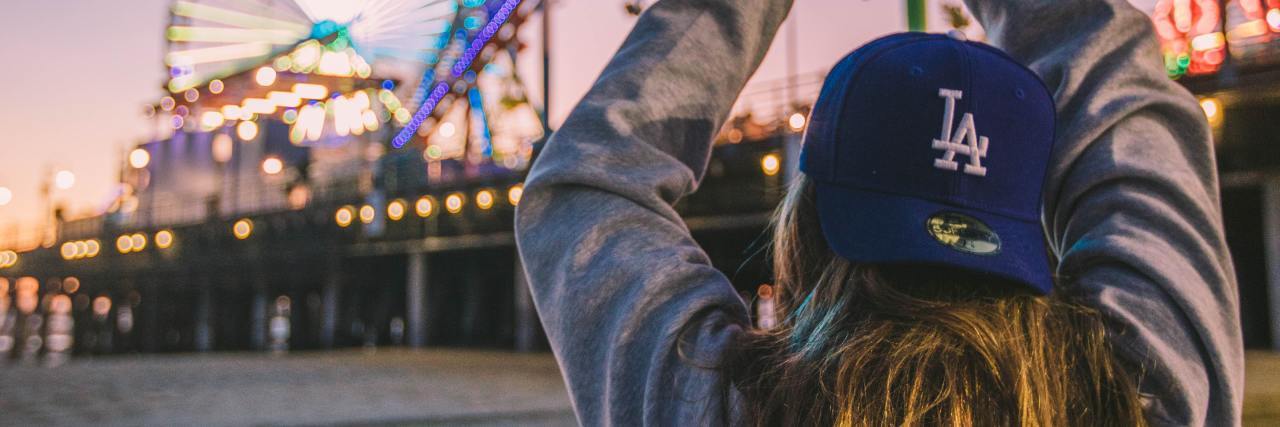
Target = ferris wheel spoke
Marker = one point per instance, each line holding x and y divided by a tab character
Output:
418	56
232	35
219	15
217	53
433	16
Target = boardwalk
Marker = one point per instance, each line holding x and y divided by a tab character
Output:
387	387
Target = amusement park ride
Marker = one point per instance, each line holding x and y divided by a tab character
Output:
439	75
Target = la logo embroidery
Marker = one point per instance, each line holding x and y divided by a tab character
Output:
965	141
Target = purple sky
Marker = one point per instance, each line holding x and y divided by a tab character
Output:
77	73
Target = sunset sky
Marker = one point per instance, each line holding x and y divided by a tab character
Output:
77	73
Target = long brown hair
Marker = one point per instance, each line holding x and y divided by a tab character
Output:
862	345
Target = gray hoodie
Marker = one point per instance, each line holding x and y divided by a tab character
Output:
1131	210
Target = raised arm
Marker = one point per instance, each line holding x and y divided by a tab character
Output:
1131	205
615	275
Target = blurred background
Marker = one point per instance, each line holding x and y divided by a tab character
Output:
299	211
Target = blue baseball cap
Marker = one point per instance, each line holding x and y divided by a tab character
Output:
928	148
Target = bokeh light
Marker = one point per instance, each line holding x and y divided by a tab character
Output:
64	179
139	158
242	229
515	193
770	164
164	239
395	210
272	165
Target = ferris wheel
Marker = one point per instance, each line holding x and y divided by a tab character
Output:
213	39
438	71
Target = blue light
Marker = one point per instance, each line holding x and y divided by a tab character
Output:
477	108
388	84
471	22
472	3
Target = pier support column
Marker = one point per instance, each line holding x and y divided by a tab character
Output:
1271	250
416	299
329	303
526	314
203	339
258	319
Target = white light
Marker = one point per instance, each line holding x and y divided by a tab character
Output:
247	130
6	196
310	91
139	158
1273	19
272	166
1212	110
284	99
211	120
447	129
265	76
797	121
64	179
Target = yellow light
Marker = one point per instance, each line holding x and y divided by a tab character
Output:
310	91
211	120
1212	110
93	247
164	239
191	95
367	213
343	216
265	76
515	193
215	86
770	164
247	130
424	206
484	199
124	244
231	112
139	242
82	249
222	148
68	250
395	210
453	203
797	121
272	165
242	228
70	285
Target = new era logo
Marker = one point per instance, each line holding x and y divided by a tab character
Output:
965	139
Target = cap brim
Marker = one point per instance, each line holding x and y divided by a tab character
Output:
874	227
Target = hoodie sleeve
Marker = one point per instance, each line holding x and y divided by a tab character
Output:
632	307
1131	204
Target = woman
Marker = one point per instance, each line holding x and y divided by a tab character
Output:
1136	323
